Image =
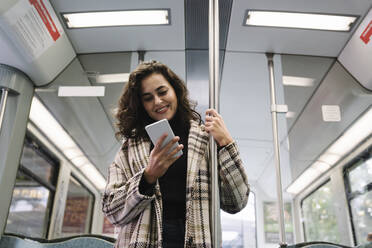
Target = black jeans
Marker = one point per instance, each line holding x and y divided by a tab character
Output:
173	233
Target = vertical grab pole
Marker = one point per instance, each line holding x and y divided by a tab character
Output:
214	103
141	56
276	150
4	98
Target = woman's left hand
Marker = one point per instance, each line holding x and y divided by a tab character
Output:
215	125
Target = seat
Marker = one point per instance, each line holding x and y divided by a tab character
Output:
91	241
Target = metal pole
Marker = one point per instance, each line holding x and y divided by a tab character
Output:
4	98
141	57
214	103
276	150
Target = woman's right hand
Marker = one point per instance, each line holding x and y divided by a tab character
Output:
161	159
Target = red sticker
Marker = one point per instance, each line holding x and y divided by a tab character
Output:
47	19
367	33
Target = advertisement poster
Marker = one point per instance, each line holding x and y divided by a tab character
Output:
108	228
76	215
271	223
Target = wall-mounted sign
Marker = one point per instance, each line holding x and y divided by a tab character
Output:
367	33
331	113
357	54
33	27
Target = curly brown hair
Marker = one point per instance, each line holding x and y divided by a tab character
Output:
131	115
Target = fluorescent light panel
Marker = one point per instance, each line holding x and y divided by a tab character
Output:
112	78
43	119
290	114
81	91
359	131
298	81
117	18
299	20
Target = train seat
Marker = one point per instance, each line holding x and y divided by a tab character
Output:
91	241
325	245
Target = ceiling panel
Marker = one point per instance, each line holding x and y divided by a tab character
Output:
309	67
174	59
83	118
254	155
291	41
109	39
245	96
311	135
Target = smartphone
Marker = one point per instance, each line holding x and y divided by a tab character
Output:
157	129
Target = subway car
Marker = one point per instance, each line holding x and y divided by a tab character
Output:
292	81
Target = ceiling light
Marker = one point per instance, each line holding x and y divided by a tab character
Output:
94	176
81	91
43	119
314	171
290	114
80	161
305	179
112	78
72	153
329	158
300	20
116	18
353	136
298	81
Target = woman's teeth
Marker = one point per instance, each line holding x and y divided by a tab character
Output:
162	109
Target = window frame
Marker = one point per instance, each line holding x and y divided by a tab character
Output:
327	180
255	218
42	151
354	163
91	215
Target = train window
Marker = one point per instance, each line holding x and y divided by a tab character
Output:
239	230
359	193
271	222
108	228
33	193
319	219
78	210
38	163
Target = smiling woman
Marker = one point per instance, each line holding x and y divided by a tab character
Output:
158	199
140	95
158	97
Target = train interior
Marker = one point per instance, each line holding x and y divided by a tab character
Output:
60	84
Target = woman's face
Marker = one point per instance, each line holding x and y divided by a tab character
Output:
158	97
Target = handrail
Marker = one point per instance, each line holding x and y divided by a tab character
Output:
214	103
4	98
276	151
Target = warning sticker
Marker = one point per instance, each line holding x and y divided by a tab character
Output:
33	26
367	33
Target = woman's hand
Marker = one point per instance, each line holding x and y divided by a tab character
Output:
215	125
161	159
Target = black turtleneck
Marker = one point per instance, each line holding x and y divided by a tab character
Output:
173	182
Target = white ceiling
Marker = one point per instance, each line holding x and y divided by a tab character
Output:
112	39
245	90
291	41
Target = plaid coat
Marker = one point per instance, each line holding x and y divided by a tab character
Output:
140	217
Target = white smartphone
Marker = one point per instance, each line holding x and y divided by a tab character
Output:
157	129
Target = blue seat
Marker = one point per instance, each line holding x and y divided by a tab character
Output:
325	245
91	241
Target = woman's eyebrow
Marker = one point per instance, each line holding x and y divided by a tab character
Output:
161	87
157	89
